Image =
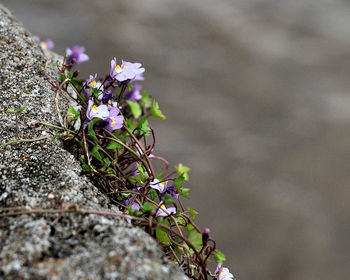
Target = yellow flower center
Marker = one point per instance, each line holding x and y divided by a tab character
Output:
109	101
118	69
94	108
113	122
43	45
163	207
162	183
93	83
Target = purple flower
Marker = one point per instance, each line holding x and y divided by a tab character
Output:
160	186
131	199
223	273
109	115
94	111
92	83
171	190
163	188
134	94
164	212
114	121
47	45
107	98
135	206
76	55
125	71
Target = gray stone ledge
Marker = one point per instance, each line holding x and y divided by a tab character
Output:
43	174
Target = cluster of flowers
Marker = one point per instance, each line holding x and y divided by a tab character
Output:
107	110
113	115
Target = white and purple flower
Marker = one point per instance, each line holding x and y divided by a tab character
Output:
164	212
103	112
94	111
163	188
160	186
107	98
76	55
134	94
223	273
47	45
92	83
125	71
114	121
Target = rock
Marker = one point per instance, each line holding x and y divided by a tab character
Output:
43	174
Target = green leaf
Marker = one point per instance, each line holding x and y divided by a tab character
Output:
144	126
82	97
219	257
142	172
181	221
11	111
156	112
135	108
107	162
184	192
193	213
114	145
190	227
145	100
20	110
91	131
85	167
72	115
132	211
188	249
153	194
116	134
178	181
162	236
182	170
195	238
77	83
57	63
70	75
95	92
129	124
167	199
96	154
111	171
164	221
147	207
62	77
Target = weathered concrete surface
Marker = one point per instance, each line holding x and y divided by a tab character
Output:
256	95
43	174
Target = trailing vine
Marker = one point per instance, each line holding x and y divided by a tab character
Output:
108	130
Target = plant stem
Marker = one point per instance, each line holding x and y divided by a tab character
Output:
24	140
142	150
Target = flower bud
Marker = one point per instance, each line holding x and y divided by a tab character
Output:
76	73
205	236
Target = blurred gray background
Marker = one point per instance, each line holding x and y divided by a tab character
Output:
257	99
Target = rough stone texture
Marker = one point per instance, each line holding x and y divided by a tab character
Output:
256	95
43	174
